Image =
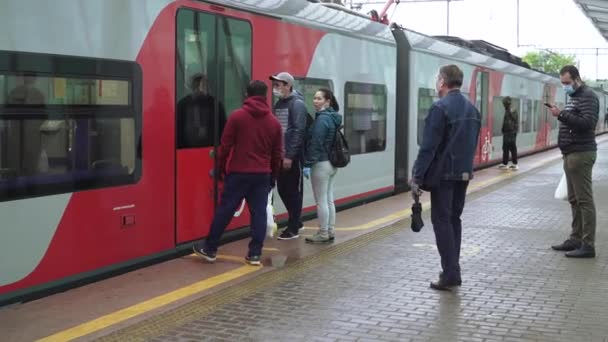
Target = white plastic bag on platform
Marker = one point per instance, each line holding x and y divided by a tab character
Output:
561	193
271	226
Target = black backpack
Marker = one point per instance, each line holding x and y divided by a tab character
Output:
339	155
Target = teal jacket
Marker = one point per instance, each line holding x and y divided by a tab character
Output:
321	136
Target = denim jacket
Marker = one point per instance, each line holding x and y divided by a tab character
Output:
451	133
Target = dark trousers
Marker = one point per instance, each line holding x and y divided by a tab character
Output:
578	167
509	146
447	203
290	185
254	188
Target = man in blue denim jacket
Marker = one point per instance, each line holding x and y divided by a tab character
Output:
444	167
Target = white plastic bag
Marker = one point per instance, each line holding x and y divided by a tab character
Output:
561	193
271	226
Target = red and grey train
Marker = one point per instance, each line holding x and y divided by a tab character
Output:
93	180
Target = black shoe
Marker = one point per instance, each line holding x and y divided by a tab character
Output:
288	235
585	251
458	280
568	245
253	260
445	285
200	251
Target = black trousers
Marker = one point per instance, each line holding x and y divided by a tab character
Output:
447	203
509	146
290	185
252	187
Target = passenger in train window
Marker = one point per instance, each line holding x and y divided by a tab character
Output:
444	167
576	140
250	158
26	93
291	111
196	115
317	165
510	127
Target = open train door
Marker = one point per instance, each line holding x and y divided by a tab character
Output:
213	68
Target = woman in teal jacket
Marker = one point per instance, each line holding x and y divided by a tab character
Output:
316	162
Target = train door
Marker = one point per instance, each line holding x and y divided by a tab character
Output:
213	68
482	86
544	121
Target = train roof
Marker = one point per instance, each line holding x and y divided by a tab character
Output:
339	18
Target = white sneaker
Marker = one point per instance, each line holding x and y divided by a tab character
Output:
514	167
502	166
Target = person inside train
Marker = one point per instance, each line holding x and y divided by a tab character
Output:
196	115
26	94
250	157
576	140
444	167
510	127
291	111
317	165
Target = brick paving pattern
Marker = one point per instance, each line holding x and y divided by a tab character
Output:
515	288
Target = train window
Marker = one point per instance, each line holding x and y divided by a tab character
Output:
499	113
365	117
536	117
67	124
481	101
426	97
526	116
308	86
212	72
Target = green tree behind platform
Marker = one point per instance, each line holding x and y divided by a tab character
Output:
547	61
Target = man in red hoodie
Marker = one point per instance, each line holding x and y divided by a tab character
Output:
250	156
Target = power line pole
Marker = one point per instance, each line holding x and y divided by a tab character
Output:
448	18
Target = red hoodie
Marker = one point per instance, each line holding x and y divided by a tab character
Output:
252	141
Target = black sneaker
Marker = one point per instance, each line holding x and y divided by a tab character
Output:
585	251
568	245
200	251
288	235
253	260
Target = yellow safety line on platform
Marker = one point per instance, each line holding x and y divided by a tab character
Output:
152	304
170	297
401	214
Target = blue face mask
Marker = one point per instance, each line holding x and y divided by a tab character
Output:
569	89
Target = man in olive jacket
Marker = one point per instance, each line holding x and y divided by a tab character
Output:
576	140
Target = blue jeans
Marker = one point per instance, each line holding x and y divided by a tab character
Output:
447	203
253	187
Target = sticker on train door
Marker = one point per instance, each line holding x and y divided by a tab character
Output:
486	150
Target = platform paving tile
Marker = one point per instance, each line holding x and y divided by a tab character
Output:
515	288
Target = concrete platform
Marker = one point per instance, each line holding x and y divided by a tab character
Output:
515	287
372	284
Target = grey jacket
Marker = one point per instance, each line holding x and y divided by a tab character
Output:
291	113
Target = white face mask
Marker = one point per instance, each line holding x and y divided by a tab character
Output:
277	93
